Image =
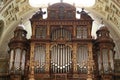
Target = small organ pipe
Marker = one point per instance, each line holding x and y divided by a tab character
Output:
23	60
17	58
11	58
111	59
39	58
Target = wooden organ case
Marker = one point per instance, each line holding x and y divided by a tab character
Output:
62	48
61	45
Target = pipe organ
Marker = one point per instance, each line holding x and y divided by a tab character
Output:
18	52
61	48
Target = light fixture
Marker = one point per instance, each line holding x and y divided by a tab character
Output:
78	3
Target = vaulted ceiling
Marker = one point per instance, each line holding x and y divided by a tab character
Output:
11	11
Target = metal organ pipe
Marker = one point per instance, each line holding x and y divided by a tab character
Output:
61	33
39	58
66	60
61	58
99	61
56	59
61	54
17	58
82	56
23	60
111	60
105	59
11	59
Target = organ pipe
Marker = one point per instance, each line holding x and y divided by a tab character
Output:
99	61
105	59
62	62
60	53
11	59
111	60
23	60
17	58
39	58
60	34
41	32
82	56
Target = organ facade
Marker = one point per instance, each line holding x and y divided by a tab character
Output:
61	48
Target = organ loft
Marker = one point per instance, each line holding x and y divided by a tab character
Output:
61	48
